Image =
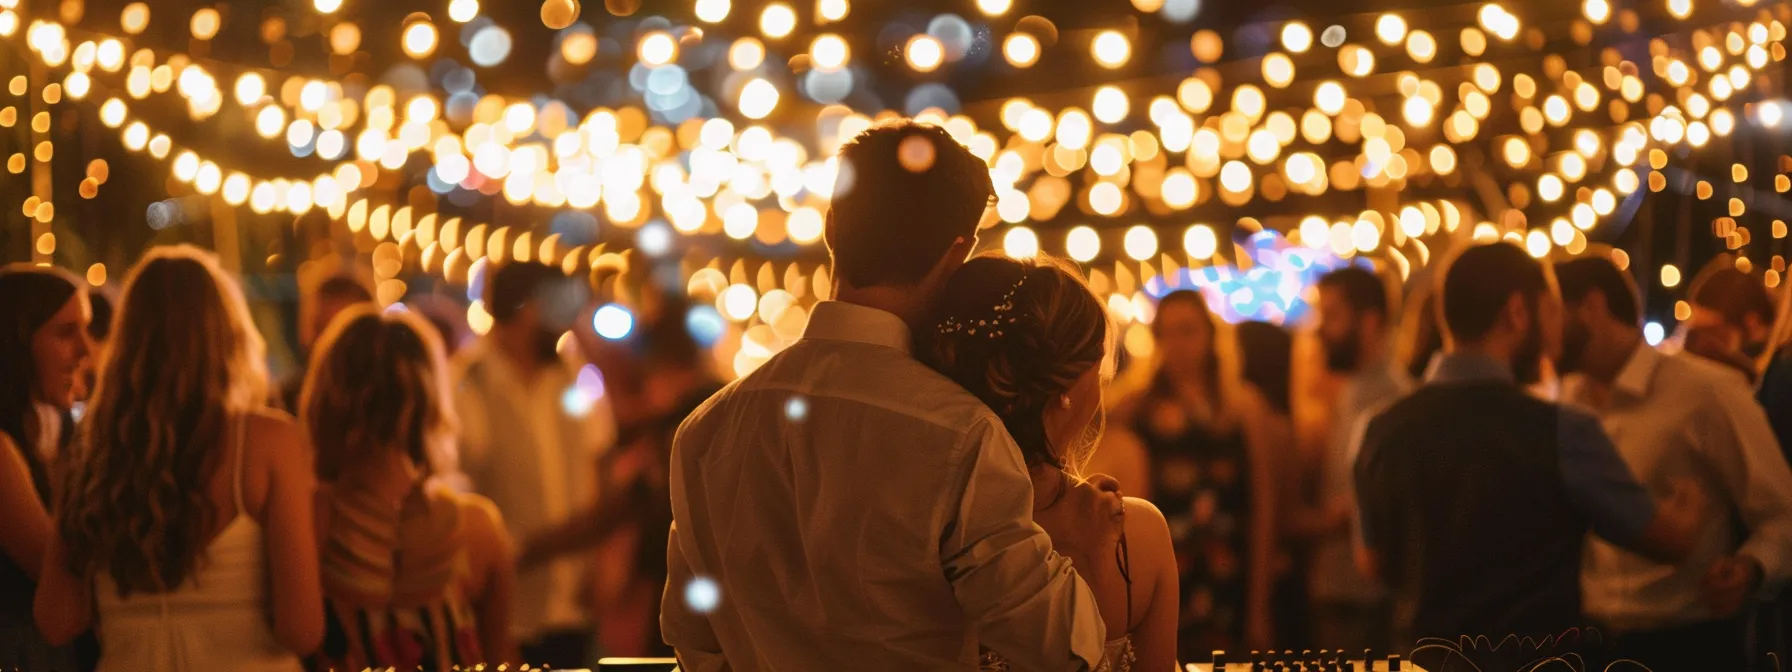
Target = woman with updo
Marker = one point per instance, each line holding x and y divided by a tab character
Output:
1028	338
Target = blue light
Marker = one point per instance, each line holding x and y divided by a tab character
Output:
1653	333
954	33
613	322
705	324
702	595
667	80
797	408
580	397
490	46
654	239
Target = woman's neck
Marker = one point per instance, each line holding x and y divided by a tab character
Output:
1049	484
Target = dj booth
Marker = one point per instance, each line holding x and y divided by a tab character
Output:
1255	661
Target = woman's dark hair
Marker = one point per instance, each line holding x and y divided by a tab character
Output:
1267	351
100	328
1193	300
1420	337
29	297
1017	333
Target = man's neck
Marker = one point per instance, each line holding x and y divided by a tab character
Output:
1371	353
1493	349
1605	361
908	303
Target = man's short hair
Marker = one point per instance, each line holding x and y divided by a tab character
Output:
906	191
515	285
1481	281
1732	293
1361	288
1596	272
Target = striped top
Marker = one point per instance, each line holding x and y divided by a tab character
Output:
395	583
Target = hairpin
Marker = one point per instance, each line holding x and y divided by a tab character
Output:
992	327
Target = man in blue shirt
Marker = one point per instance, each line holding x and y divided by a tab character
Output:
1475	497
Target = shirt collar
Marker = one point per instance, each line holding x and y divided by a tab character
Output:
853	323
1460	367
1634	378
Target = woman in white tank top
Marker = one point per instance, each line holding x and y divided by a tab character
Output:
184	536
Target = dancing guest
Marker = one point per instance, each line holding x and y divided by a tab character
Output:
1732	318
414	573
1267	353
1212	446
333	295
43	351
1673	415
1355	328
189	545
1040	368
1476	498
655	378
854	509
526	450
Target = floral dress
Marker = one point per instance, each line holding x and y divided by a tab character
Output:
1201	480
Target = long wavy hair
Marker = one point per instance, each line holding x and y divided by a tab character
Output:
378	382
1018	333
1223	368
185	366
29	297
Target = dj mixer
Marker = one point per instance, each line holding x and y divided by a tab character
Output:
1306	660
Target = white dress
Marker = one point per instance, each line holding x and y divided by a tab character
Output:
217	619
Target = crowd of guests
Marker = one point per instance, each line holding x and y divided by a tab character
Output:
956	466
158	513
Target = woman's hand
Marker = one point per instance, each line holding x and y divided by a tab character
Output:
1086	521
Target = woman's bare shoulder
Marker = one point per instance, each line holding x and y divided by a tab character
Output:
1147	535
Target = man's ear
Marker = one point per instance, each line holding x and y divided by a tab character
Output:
827	230
950	262
1516	317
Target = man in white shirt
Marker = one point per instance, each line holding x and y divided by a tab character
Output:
1674	417
529	441
1350	609
844	506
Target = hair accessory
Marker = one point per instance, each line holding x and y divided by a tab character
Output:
991	327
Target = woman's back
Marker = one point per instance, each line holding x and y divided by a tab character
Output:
218	617
402	584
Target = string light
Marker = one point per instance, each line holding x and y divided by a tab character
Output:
777	20
1111	49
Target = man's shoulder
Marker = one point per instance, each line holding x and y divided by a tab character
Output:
879	378
1684	373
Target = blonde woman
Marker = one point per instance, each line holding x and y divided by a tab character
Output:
185	531
415	575
1028	338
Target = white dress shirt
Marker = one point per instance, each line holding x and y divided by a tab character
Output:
858	510
534	454
1672	417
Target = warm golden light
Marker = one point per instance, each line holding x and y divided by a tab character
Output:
1021	50
419	39
1111	49
924	53
657	48
1297	37
250	87
1390	29
777	20
758	98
